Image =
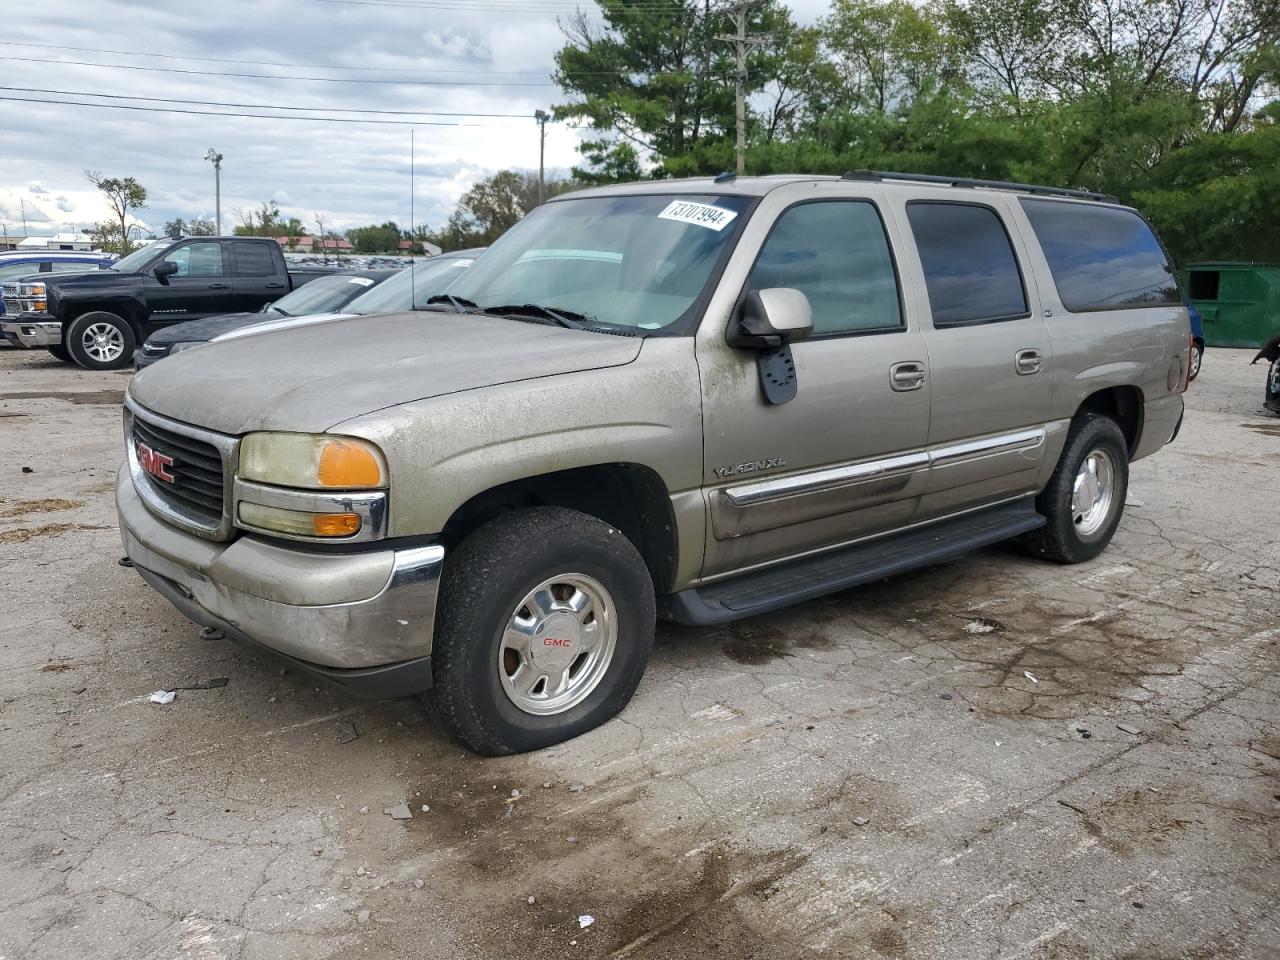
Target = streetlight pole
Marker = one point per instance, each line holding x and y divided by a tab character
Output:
214	157
542	117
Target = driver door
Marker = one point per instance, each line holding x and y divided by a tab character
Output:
200	288
845	458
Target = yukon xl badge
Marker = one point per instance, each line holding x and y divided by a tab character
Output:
755	466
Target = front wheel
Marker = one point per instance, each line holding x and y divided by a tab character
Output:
100	341
1084	499
545	625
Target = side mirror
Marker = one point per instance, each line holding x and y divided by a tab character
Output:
772	318
164	270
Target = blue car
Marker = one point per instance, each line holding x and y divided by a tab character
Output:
30	265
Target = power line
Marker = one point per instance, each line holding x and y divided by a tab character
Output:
525	6
260	106
271	63
271	76
260	116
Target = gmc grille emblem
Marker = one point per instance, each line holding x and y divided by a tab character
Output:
154	463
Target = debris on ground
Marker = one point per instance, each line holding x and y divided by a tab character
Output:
163	696
944	696
577	787
1128	728
861	821
209	633
345	731
546	786
531	901
981	625
361	871
586	920
364	809
426	808
125	562
212	683
1084	732
1027	674
362	916
27	470
418	883
400	811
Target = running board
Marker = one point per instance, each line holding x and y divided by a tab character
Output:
780	586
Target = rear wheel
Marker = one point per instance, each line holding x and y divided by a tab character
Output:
60	353
545	626
1197	355
1084	499
100	341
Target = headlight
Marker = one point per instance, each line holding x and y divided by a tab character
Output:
312	461
186	345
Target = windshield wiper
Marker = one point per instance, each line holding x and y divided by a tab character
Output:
565	318
459	304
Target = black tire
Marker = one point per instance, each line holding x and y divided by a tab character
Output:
1271	394
74	340
485	581
1197	358
60	353
1060	539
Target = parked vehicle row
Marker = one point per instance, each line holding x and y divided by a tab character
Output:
23	274
700	400
98	318
327	298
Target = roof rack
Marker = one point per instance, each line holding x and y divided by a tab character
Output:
881	175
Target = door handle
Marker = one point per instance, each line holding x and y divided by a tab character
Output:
908	375
219	286
275	285
1027	362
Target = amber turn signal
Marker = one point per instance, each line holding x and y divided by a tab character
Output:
346	464
335	524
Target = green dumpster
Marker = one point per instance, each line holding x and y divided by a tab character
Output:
1240	302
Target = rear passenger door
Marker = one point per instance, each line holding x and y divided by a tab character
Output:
989	350
259	277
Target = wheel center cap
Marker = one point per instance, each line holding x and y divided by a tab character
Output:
556	643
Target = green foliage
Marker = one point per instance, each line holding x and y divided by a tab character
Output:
195	227
384	238
491	207
1167	104
267	221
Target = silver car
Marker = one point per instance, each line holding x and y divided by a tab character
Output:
699	400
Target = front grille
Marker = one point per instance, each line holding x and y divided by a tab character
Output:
197	485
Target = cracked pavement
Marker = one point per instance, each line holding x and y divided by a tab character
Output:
873	774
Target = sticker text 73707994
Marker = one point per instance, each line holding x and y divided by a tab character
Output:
698	214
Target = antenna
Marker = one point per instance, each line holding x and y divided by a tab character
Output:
413	288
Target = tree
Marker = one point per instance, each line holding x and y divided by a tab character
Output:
123	194
493	206
376	239
194	227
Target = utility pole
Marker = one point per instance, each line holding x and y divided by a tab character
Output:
741	41
214	157
23	204
542	117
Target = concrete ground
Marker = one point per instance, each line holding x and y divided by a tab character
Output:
875	774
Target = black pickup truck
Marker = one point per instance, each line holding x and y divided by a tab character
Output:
96	319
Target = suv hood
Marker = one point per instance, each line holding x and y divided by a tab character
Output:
310	378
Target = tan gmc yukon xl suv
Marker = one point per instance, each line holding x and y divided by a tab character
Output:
698	400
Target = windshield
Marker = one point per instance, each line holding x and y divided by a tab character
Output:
411	288
638	261
322	295
141	256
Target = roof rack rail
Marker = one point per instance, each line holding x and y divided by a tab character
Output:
881	175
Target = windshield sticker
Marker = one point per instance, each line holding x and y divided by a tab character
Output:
698	214
362	281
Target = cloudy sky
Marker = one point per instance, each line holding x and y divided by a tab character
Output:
449	56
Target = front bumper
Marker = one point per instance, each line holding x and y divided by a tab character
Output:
32	330
362	620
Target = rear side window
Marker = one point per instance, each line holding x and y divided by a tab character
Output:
72	266
970	269
253	260
837	253
1101	258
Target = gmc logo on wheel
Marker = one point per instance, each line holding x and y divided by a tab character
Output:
554	642
154	463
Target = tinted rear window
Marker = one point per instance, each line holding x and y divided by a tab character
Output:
253	260
1101	258
970	270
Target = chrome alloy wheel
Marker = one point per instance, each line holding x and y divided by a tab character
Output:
102	341
1092	492
558	644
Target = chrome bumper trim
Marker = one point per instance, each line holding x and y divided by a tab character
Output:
32	333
